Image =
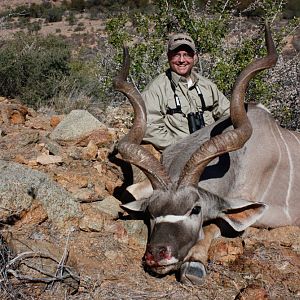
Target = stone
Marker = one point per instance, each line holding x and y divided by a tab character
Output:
253	292
17	118
38	122
28	138
85	195
75	126
137	230
100	137
21	186
110	206
75	179
55	120
53	147
46	159
93	219
225	250
36	215
90	151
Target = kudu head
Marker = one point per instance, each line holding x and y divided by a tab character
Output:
178	208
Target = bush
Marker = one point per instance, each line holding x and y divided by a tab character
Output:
226	44
78	5
31	67
54	14
34	27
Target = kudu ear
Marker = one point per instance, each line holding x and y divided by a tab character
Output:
141	189
136	206
239	218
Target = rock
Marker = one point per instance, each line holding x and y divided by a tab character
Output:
137	230
75	126
21	159
75	152
287	236
118	230
55	120
38	122
75	179
225	250
111	255
43	259
17	118
28	138
100	137
102	154
253	292
93	219
46	159
100	191
110	206
98	167
21	186
111	185
53	147
12	112
90	151
85	195
36	215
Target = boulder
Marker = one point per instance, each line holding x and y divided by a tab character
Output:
75	126
21	186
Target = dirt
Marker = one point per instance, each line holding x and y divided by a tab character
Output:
106	252
83	26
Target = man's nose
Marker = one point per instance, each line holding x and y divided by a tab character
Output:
182	58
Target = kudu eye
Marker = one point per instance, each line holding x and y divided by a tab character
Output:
196	210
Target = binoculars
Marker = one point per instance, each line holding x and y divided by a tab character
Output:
195	121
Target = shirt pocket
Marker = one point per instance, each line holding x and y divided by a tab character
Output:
177	123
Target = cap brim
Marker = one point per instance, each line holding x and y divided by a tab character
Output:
176	45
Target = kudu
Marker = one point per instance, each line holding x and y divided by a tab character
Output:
257	183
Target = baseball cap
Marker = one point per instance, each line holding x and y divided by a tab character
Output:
180	39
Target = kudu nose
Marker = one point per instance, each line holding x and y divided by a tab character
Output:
156	253
162	251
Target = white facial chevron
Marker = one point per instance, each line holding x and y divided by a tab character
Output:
170	219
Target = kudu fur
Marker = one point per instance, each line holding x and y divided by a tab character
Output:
256	183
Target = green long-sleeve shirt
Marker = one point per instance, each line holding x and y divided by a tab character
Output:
165	129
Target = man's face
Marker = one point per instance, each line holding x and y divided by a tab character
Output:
181	60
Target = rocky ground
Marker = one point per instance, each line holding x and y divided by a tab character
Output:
64	236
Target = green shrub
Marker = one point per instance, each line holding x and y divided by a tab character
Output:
71	18
34	27
78	5
54	14
31	67
222	57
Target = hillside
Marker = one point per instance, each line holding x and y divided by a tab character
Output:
76	241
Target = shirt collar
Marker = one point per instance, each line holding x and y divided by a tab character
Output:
177	78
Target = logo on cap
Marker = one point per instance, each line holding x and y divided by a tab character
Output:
180	39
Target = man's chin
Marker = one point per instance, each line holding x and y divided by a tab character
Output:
183	74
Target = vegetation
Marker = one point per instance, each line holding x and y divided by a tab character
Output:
31	67
37	69
223	48
45	70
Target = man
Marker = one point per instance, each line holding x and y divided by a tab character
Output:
176	93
